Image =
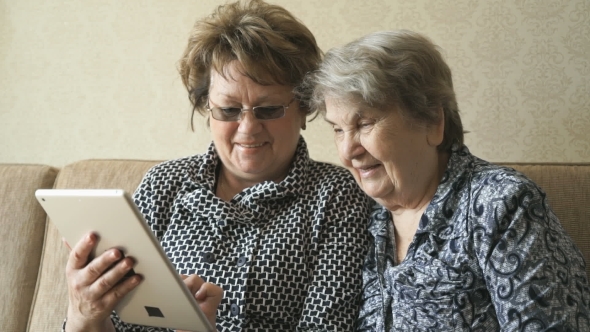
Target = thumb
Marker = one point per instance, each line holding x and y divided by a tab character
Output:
209	297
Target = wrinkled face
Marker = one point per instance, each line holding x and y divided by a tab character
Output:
252	150
391	159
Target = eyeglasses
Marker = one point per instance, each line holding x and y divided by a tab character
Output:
260	112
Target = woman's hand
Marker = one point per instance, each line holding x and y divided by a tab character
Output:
93	287
208	295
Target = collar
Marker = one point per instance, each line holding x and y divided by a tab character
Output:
436	214
447	198
256	202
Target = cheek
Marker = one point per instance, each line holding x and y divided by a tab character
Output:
222	132
341	149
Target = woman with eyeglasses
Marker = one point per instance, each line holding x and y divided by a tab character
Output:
273	237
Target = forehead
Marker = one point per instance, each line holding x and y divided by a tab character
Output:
342	110
232	82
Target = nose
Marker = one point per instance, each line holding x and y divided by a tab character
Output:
350	146
248	123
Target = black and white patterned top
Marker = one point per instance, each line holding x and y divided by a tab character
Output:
489	255
288	255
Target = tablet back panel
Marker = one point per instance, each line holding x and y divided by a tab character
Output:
161	299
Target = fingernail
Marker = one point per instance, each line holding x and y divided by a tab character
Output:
128	263
138	278
199	294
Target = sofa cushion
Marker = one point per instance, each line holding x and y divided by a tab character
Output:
50	303
568	192
22	227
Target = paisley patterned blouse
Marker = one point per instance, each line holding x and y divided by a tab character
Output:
489	255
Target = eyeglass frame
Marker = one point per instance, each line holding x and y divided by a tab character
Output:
253	109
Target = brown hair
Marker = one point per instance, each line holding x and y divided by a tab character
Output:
272	46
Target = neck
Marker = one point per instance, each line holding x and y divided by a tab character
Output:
228	186
407	218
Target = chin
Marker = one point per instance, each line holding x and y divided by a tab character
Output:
253	170
372	194
377	194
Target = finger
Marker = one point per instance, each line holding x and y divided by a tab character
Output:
208	297
78	257
194	282
183	276
101	264
112	275
209	293
115	294
104	305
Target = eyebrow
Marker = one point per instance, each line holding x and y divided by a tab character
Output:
357	115
328	121
259	99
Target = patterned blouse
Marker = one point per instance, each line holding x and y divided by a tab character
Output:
489	255
288	255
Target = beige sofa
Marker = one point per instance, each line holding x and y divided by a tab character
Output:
33	294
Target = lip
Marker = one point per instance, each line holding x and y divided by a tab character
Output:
251	145
368	170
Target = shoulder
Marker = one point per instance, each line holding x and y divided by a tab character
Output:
336	184
172	169
329	173
503	198
329	177
494	182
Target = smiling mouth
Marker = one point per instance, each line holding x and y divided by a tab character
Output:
367	168
250	146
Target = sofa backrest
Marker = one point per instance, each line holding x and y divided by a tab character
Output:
568	192
567	188
22	228
50	302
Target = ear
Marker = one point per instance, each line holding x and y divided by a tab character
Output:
436	132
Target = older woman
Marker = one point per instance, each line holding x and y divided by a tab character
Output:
459	244
282	235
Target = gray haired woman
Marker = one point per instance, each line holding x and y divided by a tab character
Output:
458	243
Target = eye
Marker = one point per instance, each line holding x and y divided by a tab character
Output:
230	111
268	112
365	124
336	130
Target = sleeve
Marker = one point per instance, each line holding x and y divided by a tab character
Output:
334	291
153	206
124	327
534	273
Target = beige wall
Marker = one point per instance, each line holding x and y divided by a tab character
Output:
97	78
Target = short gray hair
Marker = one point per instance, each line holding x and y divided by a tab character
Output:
402	68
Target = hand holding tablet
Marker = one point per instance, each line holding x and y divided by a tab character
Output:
127	269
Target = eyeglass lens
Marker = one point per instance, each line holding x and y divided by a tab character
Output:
260	112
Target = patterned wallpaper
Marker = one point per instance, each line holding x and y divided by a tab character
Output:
97	79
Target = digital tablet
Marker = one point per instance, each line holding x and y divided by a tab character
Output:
161	299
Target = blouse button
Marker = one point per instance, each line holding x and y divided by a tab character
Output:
209	257
235	310
242	260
